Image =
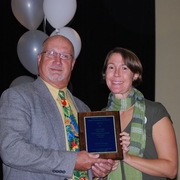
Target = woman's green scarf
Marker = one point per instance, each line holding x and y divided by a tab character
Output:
137	133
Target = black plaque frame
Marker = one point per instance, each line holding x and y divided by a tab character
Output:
87	120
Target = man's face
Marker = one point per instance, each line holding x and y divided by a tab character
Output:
56	69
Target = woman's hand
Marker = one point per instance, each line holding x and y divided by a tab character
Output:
116	162
125	142
102	169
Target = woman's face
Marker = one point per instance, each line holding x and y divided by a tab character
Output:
119	77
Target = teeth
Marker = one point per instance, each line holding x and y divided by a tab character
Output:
117	82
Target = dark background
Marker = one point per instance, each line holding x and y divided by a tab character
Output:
102	25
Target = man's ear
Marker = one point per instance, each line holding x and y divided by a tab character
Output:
73	62
39	58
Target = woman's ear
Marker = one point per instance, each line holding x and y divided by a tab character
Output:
135	77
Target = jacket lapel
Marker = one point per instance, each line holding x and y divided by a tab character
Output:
52	111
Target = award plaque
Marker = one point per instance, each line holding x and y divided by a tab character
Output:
99	133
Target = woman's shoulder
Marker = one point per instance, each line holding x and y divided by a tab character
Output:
155	110
153	104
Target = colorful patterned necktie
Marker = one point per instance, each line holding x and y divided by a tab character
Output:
72	133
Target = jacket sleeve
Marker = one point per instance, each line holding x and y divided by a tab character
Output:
28	140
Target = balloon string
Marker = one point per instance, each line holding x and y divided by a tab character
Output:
44	24
57	31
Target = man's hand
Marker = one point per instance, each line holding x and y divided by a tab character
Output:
100	167
85	160
104	167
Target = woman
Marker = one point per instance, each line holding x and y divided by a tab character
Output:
152	151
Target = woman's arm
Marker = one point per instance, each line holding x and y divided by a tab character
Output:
166	146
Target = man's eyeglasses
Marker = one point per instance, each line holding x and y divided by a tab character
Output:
52	54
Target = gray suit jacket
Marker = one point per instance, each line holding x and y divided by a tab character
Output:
32	137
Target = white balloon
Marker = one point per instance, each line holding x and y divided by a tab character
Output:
28	12
20	80
29	45
59	12
72	35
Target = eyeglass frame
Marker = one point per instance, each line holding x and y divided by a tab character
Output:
56	53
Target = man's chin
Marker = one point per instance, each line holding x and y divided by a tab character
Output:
56	78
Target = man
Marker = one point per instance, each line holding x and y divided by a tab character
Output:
33	139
